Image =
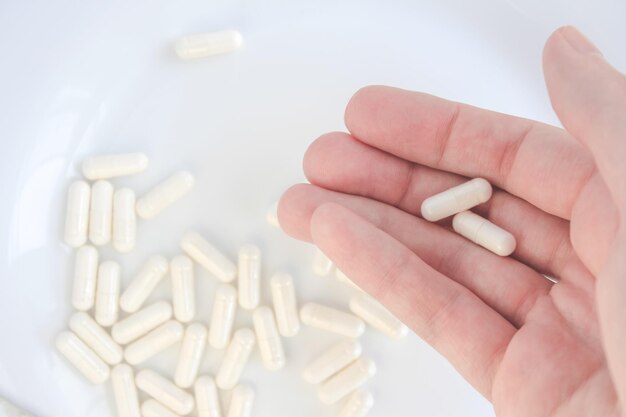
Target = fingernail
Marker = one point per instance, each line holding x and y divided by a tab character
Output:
579	41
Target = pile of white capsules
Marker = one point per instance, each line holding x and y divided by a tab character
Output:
113	330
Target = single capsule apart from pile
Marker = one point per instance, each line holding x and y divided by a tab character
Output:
101	167
202	45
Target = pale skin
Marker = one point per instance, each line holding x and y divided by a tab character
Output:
533	348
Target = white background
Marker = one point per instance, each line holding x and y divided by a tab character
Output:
82	77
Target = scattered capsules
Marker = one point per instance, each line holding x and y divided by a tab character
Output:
101	213
144	283
154	342
85	275
207	398
484	233
241	401
165	194
125	391
331	320
124	220
268	339
77	214
249	273
358	405
107	293
456	199
96	338
285	304
322	265
141	322
101	167
377	316
82	357
201	251
235	359
346	380
202	45
332	361
165	392
194	343
222	316
183	288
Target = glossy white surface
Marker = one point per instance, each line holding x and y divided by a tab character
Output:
73	84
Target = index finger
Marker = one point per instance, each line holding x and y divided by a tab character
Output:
537	162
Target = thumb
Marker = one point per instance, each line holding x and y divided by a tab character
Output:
589	96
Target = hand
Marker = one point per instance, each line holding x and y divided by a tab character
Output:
532	347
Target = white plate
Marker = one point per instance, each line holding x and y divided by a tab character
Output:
90	77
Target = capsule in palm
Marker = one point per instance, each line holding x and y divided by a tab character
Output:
484	233
456	199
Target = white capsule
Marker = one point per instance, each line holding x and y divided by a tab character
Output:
331	320
96	338
124	220
194	343
153	408
154	342
285	304
271	216
484	233
345	279
268	339
358	405
183	288
107	293
165	391
125	391
377	316
332	361
143	284
77	214
85	278
241	402
249	271
235	359
114	165
82	357
207	398
141	322
165	194
201	251
322	265
222	316
346	381
202	45
456	199
101	213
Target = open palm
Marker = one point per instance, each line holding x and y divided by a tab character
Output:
534	348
